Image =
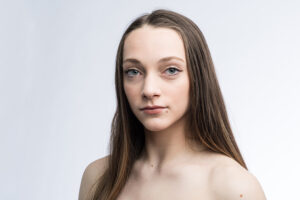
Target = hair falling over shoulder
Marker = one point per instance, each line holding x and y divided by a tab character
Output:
207	113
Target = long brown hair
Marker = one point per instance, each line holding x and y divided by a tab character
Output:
207	115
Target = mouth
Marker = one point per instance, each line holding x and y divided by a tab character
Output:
153	110
152	107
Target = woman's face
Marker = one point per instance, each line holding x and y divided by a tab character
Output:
155	74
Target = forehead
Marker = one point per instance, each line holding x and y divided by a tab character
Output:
150	44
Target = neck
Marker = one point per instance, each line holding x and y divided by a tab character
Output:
168	146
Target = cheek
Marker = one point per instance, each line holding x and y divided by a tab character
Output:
131	92
180	96
181	90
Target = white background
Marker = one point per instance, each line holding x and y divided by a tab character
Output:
57	95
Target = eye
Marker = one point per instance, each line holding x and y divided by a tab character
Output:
173	71
131	72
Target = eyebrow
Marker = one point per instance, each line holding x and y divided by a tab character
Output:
165	59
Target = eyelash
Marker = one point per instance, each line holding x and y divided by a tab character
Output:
128	70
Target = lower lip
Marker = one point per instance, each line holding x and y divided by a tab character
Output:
153	111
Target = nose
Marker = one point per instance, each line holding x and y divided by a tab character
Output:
150	88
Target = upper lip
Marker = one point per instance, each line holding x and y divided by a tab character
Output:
152	107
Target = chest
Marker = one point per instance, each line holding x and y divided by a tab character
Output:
192	186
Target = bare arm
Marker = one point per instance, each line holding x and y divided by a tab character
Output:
236	183
90	175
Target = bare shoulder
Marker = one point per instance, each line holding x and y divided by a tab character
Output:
90	176
230	181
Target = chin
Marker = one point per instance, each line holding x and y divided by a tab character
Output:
155	126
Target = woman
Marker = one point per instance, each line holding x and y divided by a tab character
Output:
170	137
